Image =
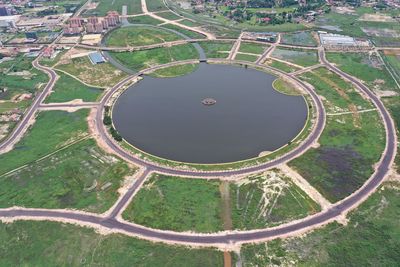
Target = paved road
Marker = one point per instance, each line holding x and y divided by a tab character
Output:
240	236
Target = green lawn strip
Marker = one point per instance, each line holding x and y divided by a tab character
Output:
68	88
281	66
300	57
364	67
168	15
28	243
188	33
246	57
216	49
51	131
18	76
393	105
156	5
134	7
268	199
393	63
180	204
137	36
285	87
174	71
103	75
144	20
139	60
345	158
371	238
80	176
190	23
8	106
304	38
252	48
339	95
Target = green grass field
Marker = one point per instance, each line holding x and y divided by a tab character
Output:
137	36
339	96
144	59
365	67
80	176
393	105
18	76
168	15
180	204
252	48
304	38
156	5
134	7
285	87
393	64
144	20
52	244
175	71
281	66
299	57
51	131
349	146
68	88
104	75
268	199
246	57
216	49
188	33
370	239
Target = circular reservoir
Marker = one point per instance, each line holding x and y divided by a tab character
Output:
168	118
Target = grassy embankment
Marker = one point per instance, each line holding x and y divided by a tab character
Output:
26	243
350	143
147	58
175	71
56	166
138	36
68	88
280	65
216	49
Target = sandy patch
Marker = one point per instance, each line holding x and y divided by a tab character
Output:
376	18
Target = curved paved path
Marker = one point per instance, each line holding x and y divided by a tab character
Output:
235	237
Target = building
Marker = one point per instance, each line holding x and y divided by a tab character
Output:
96	58
48	52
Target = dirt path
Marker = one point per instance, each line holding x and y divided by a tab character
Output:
226	216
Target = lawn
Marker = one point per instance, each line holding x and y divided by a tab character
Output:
252	48
51	131
188	33
156	5
285	87
27	243
80	176
246	57
180	204
174	71
216	49
296	56
338	95
168	15
268	199
349	147
103	75
365	67
139	60
144	20
393	64
371	238
137	36
303	38
134	7
280	65
393	105
68	88
18	76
